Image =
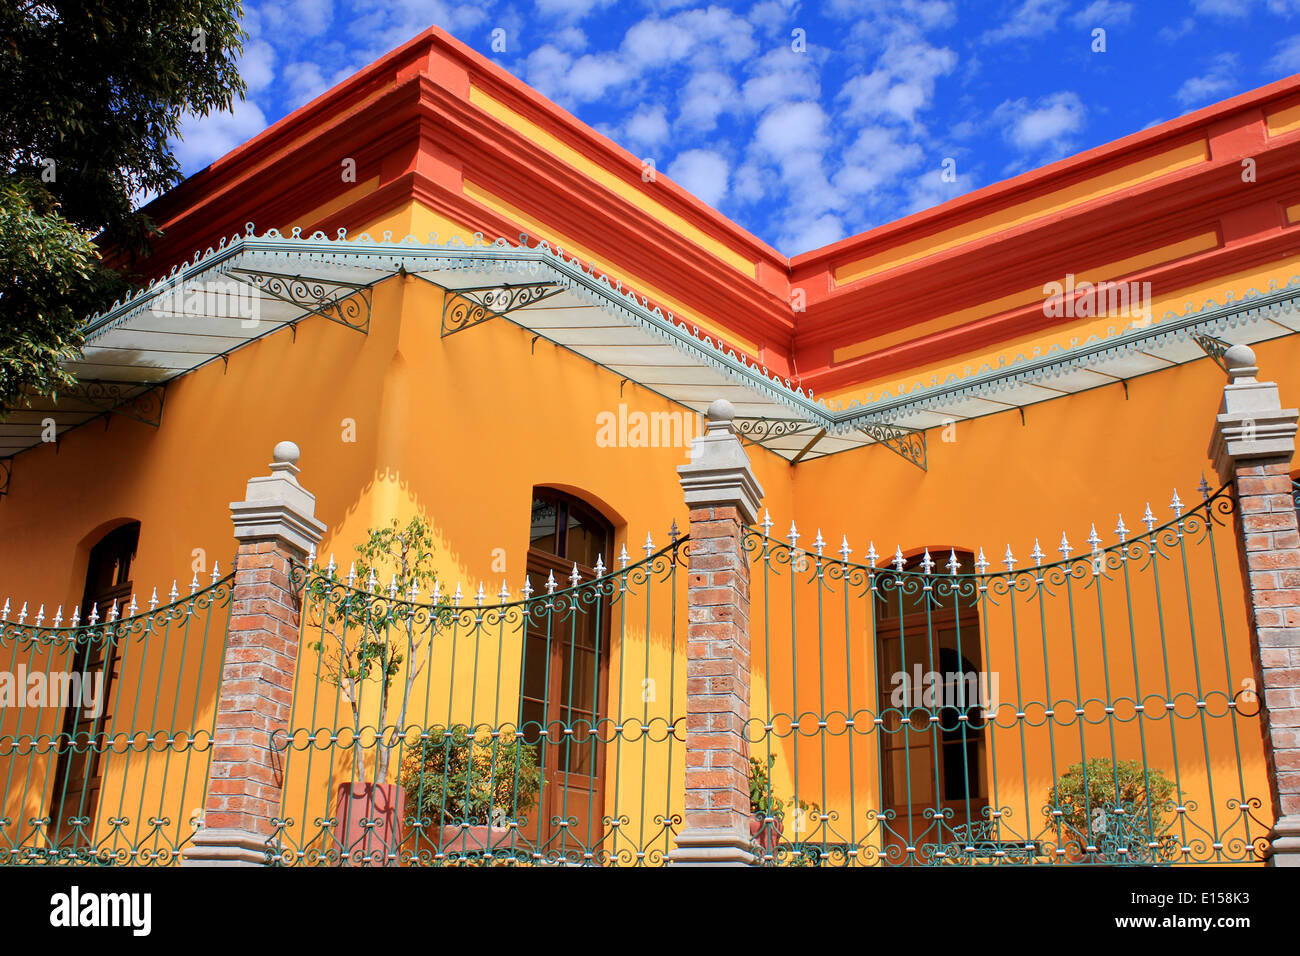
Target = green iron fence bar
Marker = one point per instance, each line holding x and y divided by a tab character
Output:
544	730
1087	710
106	731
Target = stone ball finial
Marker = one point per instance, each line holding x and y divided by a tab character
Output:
1240	361
286	452
721	410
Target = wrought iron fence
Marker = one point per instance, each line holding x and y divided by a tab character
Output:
929	710
542	730
106	729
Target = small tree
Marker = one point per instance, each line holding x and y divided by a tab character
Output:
376	626
1109	807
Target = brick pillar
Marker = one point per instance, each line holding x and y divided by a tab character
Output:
723	495
1252	446
275	526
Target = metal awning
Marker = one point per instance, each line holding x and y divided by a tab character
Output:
251	286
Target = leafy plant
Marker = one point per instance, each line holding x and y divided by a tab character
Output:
1112	806
92	95
763	799
459	776
372	626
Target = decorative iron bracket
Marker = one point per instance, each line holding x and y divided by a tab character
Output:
116	399
347	303
756	431
1213	347
907	443
463	308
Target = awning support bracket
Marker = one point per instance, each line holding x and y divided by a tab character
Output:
345	303
907	443
145	407
1213	347
465	308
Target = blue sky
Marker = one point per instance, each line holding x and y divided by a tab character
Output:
803	146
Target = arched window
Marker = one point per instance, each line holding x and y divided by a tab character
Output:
928	665
565	672
78	774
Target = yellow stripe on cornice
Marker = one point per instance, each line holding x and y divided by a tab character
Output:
613	183
1168	161
539	230
1175	301
1206	240
1283	121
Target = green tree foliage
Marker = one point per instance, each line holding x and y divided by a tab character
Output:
91	94
1112	806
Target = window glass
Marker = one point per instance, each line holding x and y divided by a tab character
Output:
542	534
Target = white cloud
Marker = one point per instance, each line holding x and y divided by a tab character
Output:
570	10
803	235
1102	13
257	65
930	189
1044	129
779	77
305	80
702	172
647	128
876	158
207	138
1220	78
1032	19
571	38
1222	8
1287	58
705	97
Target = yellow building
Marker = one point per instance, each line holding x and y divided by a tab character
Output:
979	434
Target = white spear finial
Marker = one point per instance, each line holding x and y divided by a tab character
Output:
953	564
112	612
413	591
58	617
457	597
1120	530
574	576
1149	519
767	523
372	582
872	557
600	567
437	592
793	536
331	566
311	557
216	570
132	608
623	559
480	597
981	563
194	582
649	545
392	588
1009	560
504	596
94	614
153	599
40	615
1176	505
76	615
1064	547
845	551
1204	488
172	597
4	611
22	615
899	560
818	543
528	588
1037	555
1093	539
927	563
352	575
550	582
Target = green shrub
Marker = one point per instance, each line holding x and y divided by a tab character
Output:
1089	810
470	777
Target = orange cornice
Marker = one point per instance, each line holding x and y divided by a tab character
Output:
409	122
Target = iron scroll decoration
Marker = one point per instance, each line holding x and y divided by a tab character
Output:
464	308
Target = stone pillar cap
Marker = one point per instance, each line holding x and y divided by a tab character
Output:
720	474
277	507
1251	424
